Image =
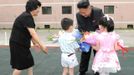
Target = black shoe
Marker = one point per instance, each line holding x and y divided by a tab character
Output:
97	73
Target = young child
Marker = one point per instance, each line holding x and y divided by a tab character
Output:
106	60
68	45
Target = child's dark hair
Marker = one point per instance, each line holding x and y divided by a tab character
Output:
83	4
107	22
32	5
66	23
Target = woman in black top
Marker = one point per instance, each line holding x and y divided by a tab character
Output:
23	32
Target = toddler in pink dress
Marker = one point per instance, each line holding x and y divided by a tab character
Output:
106	59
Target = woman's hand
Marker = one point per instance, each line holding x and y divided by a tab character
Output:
44	49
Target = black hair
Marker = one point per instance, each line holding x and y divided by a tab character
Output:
83	4
107	23
66	23
32	5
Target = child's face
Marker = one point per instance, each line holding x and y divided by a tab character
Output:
101	28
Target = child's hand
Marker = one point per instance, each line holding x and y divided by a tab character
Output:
95	48
77	49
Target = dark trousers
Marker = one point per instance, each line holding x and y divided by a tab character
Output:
84	62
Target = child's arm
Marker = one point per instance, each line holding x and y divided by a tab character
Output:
77	49
116	46
76	46
91	38
97	46
119	44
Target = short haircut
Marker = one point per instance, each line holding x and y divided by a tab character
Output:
66	23
109	24
32	5
83	4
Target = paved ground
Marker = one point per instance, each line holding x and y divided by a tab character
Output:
126	35
50	64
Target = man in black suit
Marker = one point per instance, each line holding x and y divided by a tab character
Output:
87	19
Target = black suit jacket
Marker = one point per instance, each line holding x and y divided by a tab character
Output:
89	23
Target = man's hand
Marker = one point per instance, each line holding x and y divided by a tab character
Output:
82	39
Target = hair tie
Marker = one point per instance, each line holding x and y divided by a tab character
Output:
108	18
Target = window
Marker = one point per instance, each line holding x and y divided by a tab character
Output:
66	10
46	10
47	26
130	26
109	9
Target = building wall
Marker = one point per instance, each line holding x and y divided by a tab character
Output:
123	12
